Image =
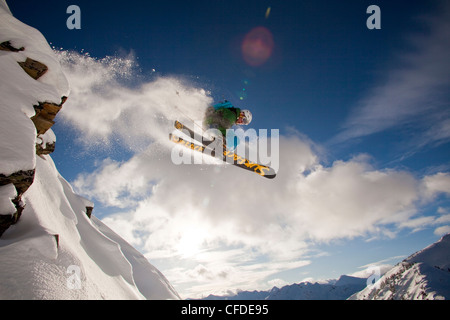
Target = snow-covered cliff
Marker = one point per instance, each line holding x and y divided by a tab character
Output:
51	247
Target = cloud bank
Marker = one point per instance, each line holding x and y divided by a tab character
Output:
209	226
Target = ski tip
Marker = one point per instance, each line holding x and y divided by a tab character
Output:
269	175
264	171
178	125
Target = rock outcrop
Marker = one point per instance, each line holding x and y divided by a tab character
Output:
45	115
35	69
6	46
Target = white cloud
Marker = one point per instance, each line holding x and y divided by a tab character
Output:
277	283
240	227
442	231
436	184
209	226
413	94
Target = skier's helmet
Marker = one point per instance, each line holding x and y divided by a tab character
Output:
246	116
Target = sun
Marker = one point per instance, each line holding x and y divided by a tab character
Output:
191	241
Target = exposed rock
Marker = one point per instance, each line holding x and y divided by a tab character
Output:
42	149
89	211
45	143
21	180
6	220
42	124
56	239
45	115
7	194
8	208
6	46
35	69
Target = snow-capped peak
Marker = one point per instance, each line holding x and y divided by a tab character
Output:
425	275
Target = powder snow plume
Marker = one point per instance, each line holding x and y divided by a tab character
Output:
110	101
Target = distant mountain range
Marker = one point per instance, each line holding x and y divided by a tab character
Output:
339	289
425	275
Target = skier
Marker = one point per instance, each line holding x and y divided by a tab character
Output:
223	116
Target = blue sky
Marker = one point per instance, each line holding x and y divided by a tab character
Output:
364	132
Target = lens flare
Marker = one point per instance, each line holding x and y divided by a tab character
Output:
257	46
268	12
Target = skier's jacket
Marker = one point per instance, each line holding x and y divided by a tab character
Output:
221	116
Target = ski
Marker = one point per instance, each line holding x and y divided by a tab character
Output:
178	125
227	156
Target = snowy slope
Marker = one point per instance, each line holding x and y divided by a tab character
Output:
57	252
54	251
341	289
424	275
